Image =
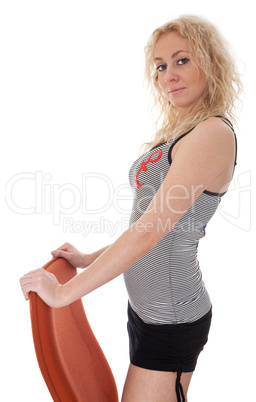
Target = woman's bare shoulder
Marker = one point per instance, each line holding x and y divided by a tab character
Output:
212	133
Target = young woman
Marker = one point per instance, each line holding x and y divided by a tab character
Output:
178	183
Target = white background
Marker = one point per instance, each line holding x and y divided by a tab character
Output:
73	105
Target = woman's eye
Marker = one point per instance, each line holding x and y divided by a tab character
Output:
182	61
162	67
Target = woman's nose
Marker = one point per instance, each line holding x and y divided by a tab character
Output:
170	75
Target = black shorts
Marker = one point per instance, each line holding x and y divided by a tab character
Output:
167	347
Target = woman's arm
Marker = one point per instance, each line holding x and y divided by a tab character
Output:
207	152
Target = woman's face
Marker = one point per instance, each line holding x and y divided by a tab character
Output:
182	82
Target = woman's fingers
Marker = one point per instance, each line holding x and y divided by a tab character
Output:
25	287
59	253
43	283
70	253
28	282
62	251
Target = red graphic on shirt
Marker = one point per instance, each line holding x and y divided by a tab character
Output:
143	166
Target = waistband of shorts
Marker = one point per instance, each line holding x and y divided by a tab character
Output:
134	316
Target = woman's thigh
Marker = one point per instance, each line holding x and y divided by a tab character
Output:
144	385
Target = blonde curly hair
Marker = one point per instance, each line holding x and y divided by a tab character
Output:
216	61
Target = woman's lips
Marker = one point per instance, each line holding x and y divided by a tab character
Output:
175	91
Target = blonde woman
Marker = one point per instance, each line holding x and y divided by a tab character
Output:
178	183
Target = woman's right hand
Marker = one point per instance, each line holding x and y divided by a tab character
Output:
72	255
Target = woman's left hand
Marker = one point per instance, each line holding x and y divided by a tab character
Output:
44	284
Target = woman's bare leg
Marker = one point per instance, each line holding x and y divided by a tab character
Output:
144	385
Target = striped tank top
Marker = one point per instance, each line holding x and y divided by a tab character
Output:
165	286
